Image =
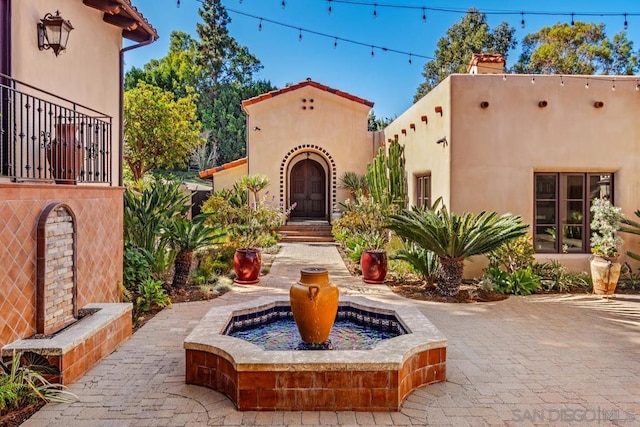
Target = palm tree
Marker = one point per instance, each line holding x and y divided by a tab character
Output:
186	237
255	183
453	238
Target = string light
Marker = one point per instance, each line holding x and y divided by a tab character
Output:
372	53
375	11
178	3
572	22
300	34
637	86
561	81
504	77
260	25
330	8
335	43
533	80
424	15
586	86
626	23
410	61
613	86
283	4
522	21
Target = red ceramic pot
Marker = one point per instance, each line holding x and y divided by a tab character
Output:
374	266
246	264
65	154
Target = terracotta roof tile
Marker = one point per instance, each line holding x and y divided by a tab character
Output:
208	173
302	84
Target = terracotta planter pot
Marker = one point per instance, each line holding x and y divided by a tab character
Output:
246	264
374	266
314	304
65	155
605	273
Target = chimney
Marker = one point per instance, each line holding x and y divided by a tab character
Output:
486	63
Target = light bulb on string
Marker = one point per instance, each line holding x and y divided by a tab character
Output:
375	11
533	80
330	8
504	77
626	23
522	21
637	86
572	21
561	81
410	61
586	86
260	25
372	52
178	3
613	86
300	34
335	43
424	15
284	4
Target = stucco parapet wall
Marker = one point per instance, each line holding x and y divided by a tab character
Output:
388	355
274	93
76	334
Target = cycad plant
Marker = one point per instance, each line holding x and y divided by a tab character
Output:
355	184
186	237
453	237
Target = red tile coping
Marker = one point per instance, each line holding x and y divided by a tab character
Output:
378	379
78	348
208	173
316	390
302	84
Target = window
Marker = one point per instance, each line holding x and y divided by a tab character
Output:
423	191
562	216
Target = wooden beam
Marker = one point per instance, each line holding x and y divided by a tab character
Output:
107	6
137	36
121	21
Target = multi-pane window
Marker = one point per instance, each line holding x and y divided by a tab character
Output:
423	191
562	216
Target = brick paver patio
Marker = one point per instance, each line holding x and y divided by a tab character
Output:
540	360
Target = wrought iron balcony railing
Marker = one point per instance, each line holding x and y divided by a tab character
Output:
48	138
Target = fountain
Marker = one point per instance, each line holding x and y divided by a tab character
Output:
405	351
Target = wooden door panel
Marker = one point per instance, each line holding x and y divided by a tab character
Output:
308	190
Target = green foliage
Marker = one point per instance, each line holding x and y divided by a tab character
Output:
423	261
386	177
605	223
254	183
471	35
185	237
151	294
555	277
453	237
520	282
159	131
355	184
136	266
580	48
22	382
375	123
514	255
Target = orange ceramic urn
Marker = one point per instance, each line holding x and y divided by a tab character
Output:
314	303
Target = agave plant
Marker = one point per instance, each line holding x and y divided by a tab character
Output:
186	237
454	238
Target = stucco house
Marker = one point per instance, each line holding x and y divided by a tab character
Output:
61	159
539	146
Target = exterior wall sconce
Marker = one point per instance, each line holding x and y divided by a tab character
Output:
542	104
404	131
412	126
424	119
598	104
53	33
439	110
443	141
484	104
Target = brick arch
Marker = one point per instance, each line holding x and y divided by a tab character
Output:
318	150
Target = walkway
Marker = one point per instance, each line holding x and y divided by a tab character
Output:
541	360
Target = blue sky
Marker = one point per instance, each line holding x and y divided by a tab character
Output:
387	78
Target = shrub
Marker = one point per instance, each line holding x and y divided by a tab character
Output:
520	282
422	261
513	255
151	294
555	277
605	222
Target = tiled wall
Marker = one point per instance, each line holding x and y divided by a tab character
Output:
98	212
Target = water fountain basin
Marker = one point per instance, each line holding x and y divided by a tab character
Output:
378	379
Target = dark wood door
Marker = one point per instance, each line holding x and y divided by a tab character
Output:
308	190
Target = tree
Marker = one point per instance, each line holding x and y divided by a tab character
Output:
471	35
159	131
375	123
582	48
453	238
177	72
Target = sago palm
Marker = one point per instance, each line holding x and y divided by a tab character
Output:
453	238
186	237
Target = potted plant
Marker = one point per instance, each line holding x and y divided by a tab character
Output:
605	244
247	260
373	261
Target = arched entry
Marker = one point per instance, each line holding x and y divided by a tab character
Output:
307	187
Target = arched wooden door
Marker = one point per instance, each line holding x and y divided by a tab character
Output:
308	190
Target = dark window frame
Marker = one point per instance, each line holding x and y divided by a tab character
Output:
423	199
561	198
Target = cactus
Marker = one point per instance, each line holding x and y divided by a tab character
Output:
386	176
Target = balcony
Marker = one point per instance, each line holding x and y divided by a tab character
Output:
47	138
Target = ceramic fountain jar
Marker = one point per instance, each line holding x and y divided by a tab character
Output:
65	155
314	303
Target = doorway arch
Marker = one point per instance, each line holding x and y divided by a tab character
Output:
307	188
